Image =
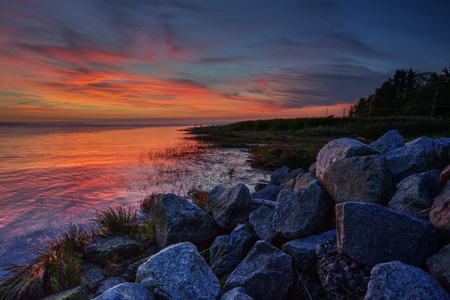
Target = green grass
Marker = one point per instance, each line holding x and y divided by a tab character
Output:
57	268
117	220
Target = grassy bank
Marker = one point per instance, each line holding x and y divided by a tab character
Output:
296	142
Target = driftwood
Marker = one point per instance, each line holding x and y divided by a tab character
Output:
271	204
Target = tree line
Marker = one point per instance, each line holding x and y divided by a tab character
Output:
408	93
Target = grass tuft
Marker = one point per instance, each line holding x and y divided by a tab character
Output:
117	220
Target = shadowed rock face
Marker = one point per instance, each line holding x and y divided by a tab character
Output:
229	206
262	222
359	179
177	220
439	266
440	214
396	280
373	234
406	161
266	273
179	272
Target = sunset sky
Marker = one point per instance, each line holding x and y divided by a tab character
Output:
193	61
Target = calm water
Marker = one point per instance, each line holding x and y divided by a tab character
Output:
53	176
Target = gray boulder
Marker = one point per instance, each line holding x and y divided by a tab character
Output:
441	142
79	292
391	140
359	179
179	272
103	248
373	234
236	294
438	158
440	214
92	275
439	266
266	273
291	177
228	251
396	280
425	142
305	181
126	291
277	177
415	195
303	251
177	220
229	206
406	161
109	283
299	214
339	149
268	193
262	222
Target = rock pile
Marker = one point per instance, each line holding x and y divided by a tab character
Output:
389	203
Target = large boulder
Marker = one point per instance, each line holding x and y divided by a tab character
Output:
228	251
126	291
406	161
415	194
229	206
339	149
299	214
359	179
268	193
177	220
262	222
438	158
277	177
179	272
440	214
373	234
391	140
439	266
103	248
109	283
342	277
303	250
289	180
236	294
396	280
266	273
441	142
425	142
305	181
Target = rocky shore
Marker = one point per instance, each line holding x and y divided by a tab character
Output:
364	222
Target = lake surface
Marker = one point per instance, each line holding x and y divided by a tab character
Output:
52	176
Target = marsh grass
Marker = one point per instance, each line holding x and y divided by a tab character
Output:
117	220
56	268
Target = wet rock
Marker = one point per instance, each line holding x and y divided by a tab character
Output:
391	140
109	283
236	294
415	194
440	214
262	222
126	291
444	177
396	280
339	149
373	234
306	180
341	276
179	272
268	193
228	251
299	214
359	179
229	206
303	250
277	177
103	248
425	142
439	266
177	220
438	158
406	161
266	273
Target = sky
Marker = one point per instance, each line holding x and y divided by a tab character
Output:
174	61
